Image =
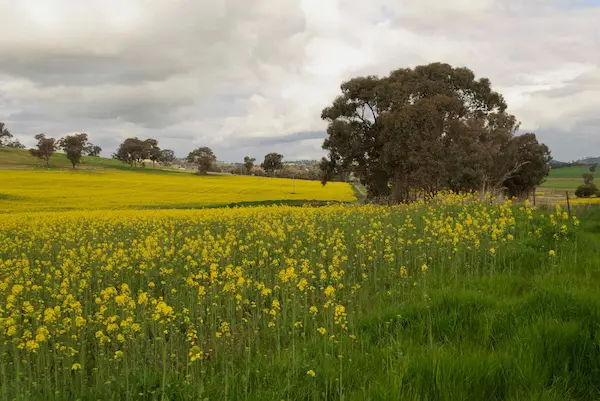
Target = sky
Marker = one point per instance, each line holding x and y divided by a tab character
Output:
247	77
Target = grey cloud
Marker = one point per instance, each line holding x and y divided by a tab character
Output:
246	77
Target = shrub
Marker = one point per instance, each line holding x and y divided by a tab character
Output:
586	190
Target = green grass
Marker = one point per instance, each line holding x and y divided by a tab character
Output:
562	183
569	172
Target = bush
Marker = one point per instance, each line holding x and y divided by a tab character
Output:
586	190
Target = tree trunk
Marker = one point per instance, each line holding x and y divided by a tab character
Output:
399	188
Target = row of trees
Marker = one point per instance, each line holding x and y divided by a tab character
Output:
426	129
75	146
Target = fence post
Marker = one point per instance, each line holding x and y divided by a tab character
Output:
568	203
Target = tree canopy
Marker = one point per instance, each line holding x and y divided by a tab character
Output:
135	150
249	164
429	128
93	150
203	158
166	157
44	148
272	162
75	145
7	140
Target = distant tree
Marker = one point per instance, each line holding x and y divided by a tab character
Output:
203	158
588	178
249	164
7	140
167	157
272	162
5	135
152	151
45	148
135	150
74	146
93	150
593	167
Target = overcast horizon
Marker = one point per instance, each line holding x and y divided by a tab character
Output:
251	77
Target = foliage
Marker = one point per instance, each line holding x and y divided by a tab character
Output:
135	150
203	158
534	158
249	164
167	157
75	145
7	140
586	190
429	128
85	190
45	148
451	299
588	178
93	150
272	162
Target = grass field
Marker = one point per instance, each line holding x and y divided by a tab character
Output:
569	172
110	189
567	178
457	299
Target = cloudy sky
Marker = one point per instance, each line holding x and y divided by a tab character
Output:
250	76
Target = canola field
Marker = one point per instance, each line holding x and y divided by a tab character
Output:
270	303
28	190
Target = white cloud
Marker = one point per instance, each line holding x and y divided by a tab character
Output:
230	73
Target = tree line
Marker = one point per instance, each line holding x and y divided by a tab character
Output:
74	146
426	129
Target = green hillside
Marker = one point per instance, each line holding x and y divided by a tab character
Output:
21	159
569	172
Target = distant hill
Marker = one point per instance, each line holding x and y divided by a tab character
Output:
589	160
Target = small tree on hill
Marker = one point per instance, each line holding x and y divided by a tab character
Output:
93	150
593	167
167	157
249	164
273	162
203	158
7	140
74	146
45	148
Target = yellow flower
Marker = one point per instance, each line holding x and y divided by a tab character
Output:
311	373
322	330
424	268
492	251
118	355
551	252
76	366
